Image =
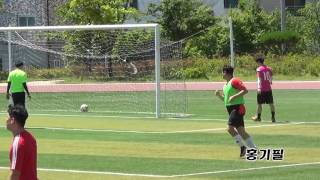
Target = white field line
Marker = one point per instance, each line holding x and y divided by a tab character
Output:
181	175
145	117
247	169
130	117
173	176
138	117
156	132
123	117
117	112
97	172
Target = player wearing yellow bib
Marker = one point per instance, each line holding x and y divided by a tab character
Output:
232	95
17	85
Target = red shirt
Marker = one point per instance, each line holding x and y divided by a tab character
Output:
237	84
23	156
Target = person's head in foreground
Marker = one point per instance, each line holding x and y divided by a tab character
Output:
17	118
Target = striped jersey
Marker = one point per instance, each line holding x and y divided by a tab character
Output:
23	156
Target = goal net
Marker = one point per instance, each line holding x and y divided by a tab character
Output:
114	69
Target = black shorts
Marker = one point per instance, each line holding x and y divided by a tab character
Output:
236	113
19	98
265	97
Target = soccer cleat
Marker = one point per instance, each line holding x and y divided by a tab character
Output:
242	151
273	120
255	118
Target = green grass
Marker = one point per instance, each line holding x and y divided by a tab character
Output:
201	104
291	105
140	145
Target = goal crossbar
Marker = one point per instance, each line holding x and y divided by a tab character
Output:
101	27
80	27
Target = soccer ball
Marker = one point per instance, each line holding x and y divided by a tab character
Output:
84	108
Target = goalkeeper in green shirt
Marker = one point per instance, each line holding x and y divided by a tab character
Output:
232	95
17	85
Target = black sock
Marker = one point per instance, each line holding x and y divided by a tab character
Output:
259	115
272	114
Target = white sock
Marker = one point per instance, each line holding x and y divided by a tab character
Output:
250	143
238	139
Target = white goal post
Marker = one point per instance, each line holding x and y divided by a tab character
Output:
155	27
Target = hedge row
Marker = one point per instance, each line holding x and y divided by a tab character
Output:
290	65
197	68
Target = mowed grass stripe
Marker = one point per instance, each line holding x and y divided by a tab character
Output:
309	172
161	166
118	123
188	138
161	150
183	153
292	105
262	137
194	138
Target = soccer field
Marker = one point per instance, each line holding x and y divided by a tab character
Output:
99	146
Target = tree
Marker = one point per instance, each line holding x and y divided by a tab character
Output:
96	12
272	41
89	43
212	42
250	22
311	26
182	18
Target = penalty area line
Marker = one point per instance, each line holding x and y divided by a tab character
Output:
124	117
153	132
174	176
247	169
95	172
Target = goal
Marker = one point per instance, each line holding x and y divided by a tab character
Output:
115	69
